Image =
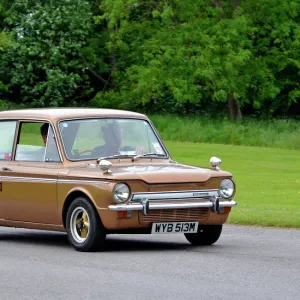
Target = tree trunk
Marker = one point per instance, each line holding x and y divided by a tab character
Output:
235	4
113	56
233	104
234	108
218	3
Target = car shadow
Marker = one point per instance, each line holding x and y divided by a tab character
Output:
125	243
114	243
44	238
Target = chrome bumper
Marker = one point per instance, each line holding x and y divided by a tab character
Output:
215	204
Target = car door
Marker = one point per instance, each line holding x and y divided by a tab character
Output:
29	182
7	134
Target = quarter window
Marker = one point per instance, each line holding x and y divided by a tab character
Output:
52	154
7	133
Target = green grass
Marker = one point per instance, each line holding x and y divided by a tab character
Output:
267	180
283	134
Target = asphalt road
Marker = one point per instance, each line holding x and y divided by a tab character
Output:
246	263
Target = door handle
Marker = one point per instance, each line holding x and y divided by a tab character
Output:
6	169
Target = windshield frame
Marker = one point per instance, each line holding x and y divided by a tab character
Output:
159	139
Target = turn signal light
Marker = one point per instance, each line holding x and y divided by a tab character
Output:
122	214
227	209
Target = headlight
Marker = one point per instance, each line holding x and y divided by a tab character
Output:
226	188
121	192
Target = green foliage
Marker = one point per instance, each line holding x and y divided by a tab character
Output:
5	43
45	65
180	56
156	67
276	41
190	52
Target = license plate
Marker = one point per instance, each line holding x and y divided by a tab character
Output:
175	227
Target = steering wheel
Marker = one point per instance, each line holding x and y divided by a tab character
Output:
78	153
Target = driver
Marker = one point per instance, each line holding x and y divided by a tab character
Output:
112	135
44	132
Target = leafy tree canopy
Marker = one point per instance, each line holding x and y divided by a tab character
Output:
175	56
45	65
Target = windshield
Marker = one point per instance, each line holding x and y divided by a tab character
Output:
95	138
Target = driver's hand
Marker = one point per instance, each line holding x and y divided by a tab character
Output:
140	150
75	152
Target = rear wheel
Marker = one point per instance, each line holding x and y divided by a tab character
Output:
84	227
206	235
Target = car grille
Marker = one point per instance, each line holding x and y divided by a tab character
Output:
175	215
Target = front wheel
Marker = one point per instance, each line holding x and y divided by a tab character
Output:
84	227
206	235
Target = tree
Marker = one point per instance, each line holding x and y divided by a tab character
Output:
45	66
160	55
175	49
276	40
181	52
5	43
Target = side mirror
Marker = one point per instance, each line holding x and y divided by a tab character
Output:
215	162
105	165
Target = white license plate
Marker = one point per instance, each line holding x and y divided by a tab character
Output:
175	227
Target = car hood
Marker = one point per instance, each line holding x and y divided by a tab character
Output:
150	173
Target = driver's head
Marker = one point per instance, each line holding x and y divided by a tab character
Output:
112	135
44	132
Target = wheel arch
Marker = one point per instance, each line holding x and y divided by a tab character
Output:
72	195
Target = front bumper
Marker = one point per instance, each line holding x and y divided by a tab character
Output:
145	205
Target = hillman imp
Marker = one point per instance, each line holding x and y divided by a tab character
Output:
93	172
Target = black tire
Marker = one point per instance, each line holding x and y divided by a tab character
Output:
95	234
206	235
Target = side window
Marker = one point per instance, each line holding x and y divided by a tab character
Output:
36	143
7	133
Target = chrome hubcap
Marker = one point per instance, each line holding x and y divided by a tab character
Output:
80	224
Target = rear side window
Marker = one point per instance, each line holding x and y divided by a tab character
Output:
7	134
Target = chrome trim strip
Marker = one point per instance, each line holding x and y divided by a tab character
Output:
126	207
26	179
155	206
206	204
83	181
228	203
174	195
46	180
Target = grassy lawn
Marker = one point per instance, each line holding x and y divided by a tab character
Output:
282	134
267	180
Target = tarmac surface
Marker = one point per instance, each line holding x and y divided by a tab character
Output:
246	263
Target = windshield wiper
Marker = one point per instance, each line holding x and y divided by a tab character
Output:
149	154
114	156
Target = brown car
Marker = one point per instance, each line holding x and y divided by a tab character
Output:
93	172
